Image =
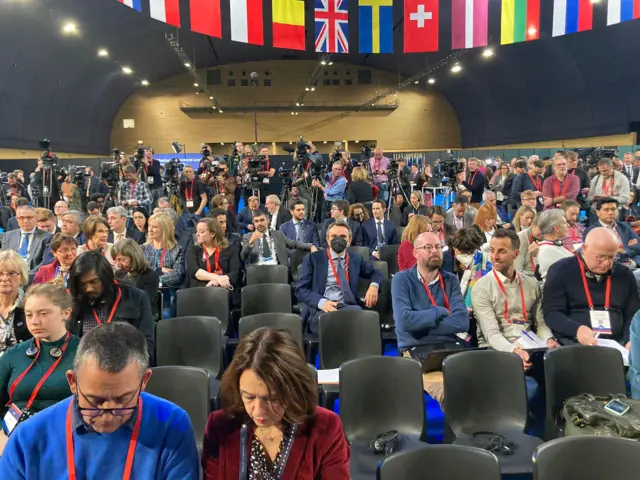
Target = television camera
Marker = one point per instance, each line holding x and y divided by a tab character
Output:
592	156
451	166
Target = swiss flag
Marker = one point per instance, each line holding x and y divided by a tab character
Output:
421	18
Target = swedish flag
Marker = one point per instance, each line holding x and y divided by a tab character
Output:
376	26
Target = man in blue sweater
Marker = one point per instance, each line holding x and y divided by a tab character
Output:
109	429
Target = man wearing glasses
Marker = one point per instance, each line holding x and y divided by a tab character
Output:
109	428
590	295
29	241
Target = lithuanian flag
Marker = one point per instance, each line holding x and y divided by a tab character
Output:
288	24
520	21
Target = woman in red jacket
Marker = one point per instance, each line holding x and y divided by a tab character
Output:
65	250
270	415
417	225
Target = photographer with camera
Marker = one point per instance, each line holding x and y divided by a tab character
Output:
192	192
14	188
93	184
336	186
152	174
134	193
380	168
266	170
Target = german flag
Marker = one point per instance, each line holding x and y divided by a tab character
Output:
288	24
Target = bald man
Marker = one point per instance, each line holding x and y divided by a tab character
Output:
575	297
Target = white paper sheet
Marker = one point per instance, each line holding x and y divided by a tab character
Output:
604	342
529	341
331	376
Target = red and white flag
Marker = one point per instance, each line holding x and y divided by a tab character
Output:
205	17
246	21
421	19
167	11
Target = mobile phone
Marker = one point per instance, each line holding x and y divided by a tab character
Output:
616	407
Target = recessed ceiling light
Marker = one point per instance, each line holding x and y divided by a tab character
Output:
456	68
103	52
313	89
210	97
188	65
145	83
292	113
357	141
306	89
214	107
323	62
220	111
297	104
324	141
69	28
221	143
127	70
196	85
416	82
290	143
487	53
330	63
431	81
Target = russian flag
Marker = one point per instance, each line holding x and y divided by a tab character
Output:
135	4
167	11
622	10
571	16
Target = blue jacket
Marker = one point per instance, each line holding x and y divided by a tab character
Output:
370	234
245	217
626	235
356	232
417	321
520	184
634	357
312	281
309	232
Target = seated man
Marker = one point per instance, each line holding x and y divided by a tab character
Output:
527	259
245	217
378	231
117	218
591	293
553	228
573	240
109	425
628	241
299	228
325	285
233	239
339	211
459	216
268	247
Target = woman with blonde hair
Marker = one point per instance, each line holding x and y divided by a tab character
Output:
417	224
523	218
162	251
14	276
360	190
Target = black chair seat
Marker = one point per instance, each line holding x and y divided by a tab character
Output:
329	394
364	462
524	447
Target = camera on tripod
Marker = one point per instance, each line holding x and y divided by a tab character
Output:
173	170
48	158
593	155
367	151
451	166
76	173
110	172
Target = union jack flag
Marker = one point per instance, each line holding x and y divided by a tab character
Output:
332	27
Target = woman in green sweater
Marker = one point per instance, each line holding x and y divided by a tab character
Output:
47	356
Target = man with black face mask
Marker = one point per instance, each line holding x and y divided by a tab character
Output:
100	300
329	279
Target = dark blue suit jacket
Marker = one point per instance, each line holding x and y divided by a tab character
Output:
245	217
626	235
370	233
312	281
356	232
521	183
309	232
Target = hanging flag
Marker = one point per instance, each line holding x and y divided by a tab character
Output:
205	17
288	24
375	24
135	4
167	11
246	21
570	16
469	23
421	19
622	10
332	27
520	21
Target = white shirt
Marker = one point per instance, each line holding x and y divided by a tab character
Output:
548	254
273	259
274	219
119	236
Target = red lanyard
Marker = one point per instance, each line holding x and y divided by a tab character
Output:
574	237
164	251
506	303
132	189
333	267
607	295
537	184
47	374
533	265
470	180
433	300
189	196
113	309
133	443
556	187
605	189
205	257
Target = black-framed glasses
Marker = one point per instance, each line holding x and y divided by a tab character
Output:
430	248
115	412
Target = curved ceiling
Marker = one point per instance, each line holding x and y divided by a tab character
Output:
55	86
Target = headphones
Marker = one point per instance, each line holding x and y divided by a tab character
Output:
494	443
386	443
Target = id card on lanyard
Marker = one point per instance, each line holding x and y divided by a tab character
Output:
600	319
189	197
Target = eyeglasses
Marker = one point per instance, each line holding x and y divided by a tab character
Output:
605	259
115	412
25	218
66	251
430	248
9	275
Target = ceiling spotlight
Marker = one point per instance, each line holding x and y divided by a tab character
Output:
197	93
313	89
290	143
487	53
431	81
127	70
188	65
221	143
69	28
532	31
306	89
302	104
292	113
214	107
416	82
297	104
357	141
220	111
196	85
456	68
145	83
210	97
323	62
330	63
324	141
103	52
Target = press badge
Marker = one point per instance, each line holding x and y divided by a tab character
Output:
600	321
150	180
11	419
189	203
519	321
266	180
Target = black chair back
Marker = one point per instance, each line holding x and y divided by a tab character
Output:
204	301
578	369
587	458
484	391
266	298
281	321
441	462
187	387
297	256
191	342
362	251
347	335
363	284
389	254
379	394
258	274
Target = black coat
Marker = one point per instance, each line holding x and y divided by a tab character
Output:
148	281
359	192
132	233
421	210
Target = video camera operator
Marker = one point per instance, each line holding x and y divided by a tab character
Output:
14	189
134	193
266	171
192	192
93	184
152	174
336	186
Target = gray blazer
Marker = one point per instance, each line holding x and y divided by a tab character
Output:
250	254
39	244
467	220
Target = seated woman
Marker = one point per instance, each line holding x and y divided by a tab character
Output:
269	398
222	201
14	276
65	250
523	218
24	390
417	225
132	269
415	207
485	223
162	251
96	231
358	214
140	218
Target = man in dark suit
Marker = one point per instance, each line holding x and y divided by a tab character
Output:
329	279
378	231
221	216
29	241
14	188
268	247
531	180
117	218
473	180
459	216
91	183
245	217
279	215
339	210
628	170
298	228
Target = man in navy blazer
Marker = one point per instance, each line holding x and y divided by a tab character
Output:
339	210
245	217
629	242
326	285
378	231
299	228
